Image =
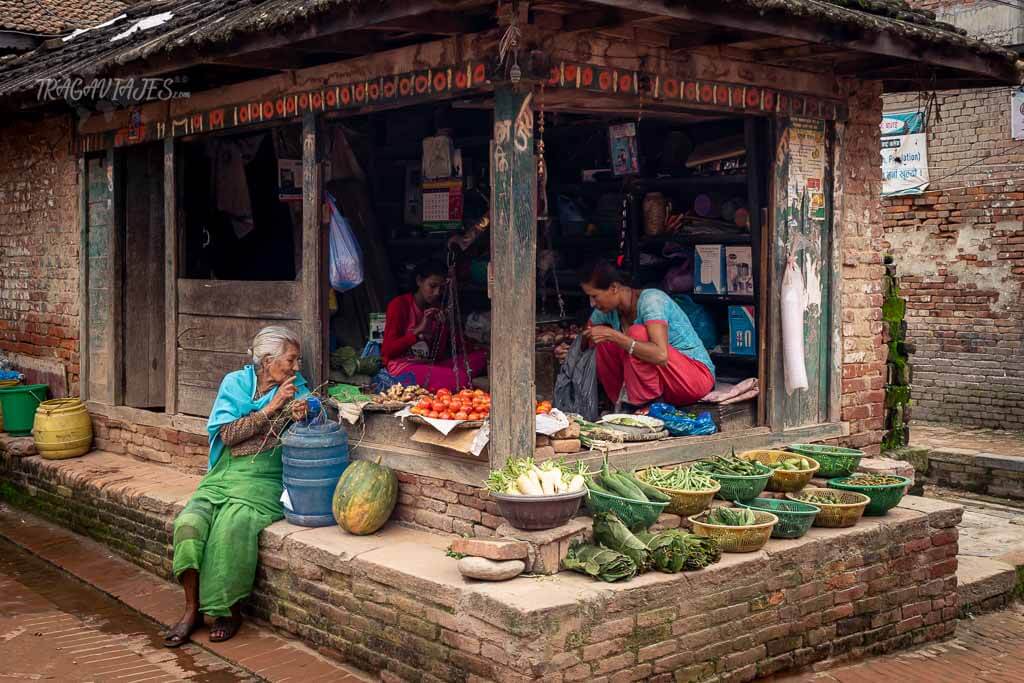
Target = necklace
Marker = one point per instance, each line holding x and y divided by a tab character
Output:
630	312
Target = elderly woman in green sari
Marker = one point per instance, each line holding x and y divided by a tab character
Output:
216	536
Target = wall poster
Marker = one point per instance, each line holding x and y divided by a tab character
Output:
904	153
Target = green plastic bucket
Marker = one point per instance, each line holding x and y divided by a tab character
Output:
19	404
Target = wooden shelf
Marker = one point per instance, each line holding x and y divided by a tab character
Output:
722	298
727	240
722	356
645	184
420	242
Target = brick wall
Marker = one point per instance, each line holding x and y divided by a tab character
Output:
859	231
39	238
446	506
187	451
969	137
960	247
960	256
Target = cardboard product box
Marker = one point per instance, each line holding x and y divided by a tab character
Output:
377	327
742	331
739	270
709	269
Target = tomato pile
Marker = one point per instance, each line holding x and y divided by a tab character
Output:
466	405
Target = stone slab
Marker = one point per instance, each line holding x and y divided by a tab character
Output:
940	513
982	578
960	456
491	549
999	462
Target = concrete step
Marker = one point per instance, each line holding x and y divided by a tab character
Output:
984	584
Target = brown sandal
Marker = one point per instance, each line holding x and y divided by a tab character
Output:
181	633
226	626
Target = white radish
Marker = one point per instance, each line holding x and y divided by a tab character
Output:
577	483
528	487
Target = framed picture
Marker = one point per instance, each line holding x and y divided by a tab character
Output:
289	180
622	147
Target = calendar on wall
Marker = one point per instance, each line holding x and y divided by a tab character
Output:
442	204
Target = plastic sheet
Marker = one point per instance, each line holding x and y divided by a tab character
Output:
679	423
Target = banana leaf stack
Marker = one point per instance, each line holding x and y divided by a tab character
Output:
619	555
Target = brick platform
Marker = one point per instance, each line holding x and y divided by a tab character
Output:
392	602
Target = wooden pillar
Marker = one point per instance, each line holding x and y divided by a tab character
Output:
83	279
115	187
313	292
514	263
171	275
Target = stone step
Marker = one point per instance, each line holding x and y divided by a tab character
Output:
984	584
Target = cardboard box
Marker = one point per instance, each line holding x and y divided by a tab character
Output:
709	269
739	270
742	331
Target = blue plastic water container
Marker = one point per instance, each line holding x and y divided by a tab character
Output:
314	457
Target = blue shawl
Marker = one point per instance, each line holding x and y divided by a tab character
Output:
237	398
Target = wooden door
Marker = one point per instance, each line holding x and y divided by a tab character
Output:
217	320
143	288
802	239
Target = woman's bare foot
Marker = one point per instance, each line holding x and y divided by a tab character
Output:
181	633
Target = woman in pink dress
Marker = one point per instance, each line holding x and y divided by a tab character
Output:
417	338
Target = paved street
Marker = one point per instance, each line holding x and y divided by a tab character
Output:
988	649
53	627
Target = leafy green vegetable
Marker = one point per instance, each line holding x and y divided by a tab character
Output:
674	550
610	532
600	562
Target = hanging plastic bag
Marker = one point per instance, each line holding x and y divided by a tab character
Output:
793	305
346	258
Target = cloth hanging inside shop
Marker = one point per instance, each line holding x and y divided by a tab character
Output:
231	187
576	385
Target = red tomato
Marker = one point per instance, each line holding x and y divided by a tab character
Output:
433	414
478	392
445	416
474	416
461	416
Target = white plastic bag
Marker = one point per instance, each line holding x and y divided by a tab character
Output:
793	305
346	258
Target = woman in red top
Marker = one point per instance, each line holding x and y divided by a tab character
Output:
417	338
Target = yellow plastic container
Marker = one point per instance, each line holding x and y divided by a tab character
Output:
62	429
6	383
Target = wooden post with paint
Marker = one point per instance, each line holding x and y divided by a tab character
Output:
514	262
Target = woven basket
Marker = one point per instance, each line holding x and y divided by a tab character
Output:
782	481
741	487
834	461
836	516
883	498
635	515
684	503
795	518
738	539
